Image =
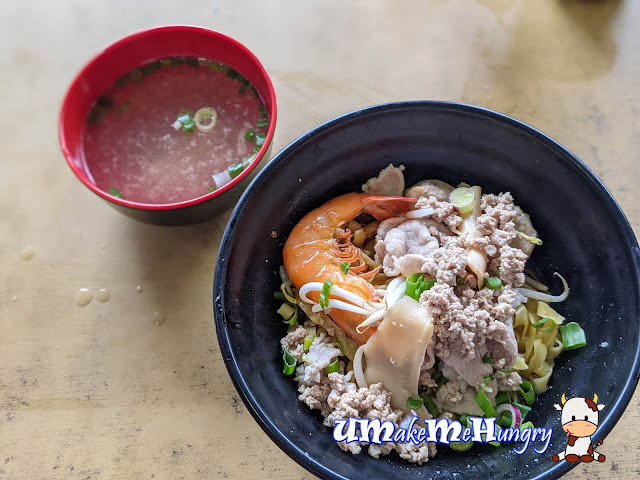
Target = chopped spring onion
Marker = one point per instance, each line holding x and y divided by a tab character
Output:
526	425
484	404
122	109
414	403
528	238
250	135
211	188
289	313
573	336
323	299
205	119
416	284
309	337
485	381
115	192
236	169
260	139
439	378
184	122
263	122
430	405
333	366
279	296
506	370
461	446
289	362
345	266
540	324
502	397
494	283
464	199
526	390
486	359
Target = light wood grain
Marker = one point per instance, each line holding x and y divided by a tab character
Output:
100	391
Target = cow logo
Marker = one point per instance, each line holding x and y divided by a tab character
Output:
579	421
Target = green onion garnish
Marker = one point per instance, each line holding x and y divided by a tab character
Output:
459	281
540	324
413	283
263	111
494	283
416	284
333	366
506	419
114	191
326	287
263	122
231	73
289	362
289	313
461	446
464	420
502	397
345	266
573	336
526	390
430	405
260	138
484	404
122	109
506	370
526	425
487	359
308	341
323	301
211	188
243	89
250	135
236	169
439	378
279	296
323	298
414	403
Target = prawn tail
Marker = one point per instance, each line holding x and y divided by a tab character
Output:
383	207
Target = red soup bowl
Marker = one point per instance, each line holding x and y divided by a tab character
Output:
142	48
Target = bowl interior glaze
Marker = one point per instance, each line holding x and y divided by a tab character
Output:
587	239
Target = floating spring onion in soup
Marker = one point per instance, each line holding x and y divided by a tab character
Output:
173	130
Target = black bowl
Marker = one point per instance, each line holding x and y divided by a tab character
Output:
587	239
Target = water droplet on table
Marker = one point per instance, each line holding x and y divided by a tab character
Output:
27	253
138	289
82	297
103	295
159	318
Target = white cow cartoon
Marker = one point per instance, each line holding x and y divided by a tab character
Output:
579	421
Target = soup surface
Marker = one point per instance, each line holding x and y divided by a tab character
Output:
136	148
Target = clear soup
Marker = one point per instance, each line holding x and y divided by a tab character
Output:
142	142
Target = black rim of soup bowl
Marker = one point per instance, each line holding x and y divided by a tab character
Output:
229	330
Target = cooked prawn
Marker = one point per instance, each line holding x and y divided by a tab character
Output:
318	245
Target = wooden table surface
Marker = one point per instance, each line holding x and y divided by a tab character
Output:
101	391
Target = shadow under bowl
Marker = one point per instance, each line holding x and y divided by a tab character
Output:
586	238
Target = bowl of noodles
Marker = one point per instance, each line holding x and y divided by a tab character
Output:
424	261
